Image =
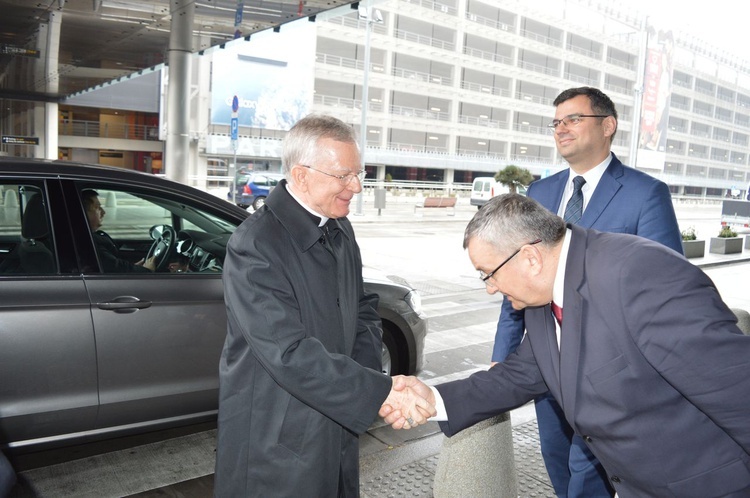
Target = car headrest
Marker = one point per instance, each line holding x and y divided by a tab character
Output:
34	224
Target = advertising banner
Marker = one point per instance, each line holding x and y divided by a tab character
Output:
272	76
657	90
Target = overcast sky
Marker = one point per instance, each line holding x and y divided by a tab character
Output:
723	23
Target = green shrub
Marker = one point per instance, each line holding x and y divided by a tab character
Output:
689	234
726	232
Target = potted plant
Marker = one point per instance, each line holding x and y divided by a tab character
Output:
691	246
726	242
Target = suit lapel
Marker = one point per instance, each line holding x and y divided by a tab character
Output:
570	337
556	190
608	186
554	351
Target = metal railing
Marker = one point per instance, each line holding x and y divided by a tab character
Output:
488	56
538	68
81	128
485	122
436	6
621	63
424	40
419	113
486	21
486	89
423	77
541	38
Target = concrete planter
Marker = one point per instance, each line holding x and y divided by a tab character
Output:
725	245
747	242
694	248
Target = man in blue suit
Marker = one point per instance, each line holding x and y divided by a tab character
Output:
605	195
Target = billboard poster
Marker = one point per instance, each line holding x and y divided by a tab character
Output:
657	90
272	76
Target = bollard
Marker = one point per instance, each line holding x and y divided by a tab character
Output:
743	320
379	199
478	461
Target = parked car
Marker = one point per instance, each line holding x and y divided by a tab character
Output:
483	189
89	354
251	189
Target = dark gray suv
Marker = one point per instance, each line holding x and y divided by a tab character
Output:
89	352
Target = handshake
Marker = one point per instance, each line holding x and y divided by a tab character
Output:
409	404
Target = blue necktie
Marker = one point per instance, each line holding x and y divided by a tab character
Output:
574	209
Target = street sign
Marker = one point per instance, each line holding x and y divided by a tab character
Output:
23	52
234	124
16	140
234	127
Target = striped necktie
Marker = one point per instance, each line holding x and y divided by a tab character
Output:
574	209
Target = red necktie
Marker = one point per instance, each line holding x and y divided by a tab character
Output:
557	311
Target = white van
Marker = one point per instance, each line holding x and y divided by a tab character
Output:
485	188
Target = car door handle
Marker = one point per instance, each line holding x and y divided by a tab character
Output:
124	304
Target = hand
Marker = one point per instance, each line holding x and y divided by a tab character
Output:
150	263
409	399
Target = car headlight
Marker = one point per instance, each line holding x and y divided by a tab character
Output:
414	300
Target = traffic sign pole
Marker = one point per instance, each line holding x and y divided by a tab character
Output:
234	130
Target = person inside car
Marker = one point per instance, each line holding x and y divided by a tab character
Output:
109	254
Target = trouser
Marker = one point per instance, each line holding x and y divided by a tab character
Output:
573	469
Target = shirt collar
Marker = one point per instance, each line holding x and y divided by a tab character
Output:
592	176
323	219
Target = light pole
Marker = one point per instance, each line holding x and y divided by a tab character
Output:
370	16
638	103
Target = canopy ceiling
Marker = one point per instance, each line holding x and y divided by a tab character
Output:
101	40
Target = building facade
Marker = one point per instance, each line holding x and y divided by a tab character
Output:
461	88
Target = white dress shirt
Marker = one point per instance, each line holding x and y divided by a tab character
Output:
592	178
558	289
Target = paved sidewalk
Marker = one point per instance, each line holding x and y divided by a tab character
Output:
409	470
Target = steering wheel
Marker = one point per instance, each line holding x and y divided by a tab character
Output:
165	240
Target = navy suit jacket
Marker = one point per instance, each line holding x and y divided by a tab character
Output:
652	371
625	201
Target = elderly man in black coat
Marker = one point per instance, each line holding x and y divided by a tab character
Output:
300	374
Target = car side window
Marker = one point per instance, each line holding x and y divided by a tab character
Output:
26	240
138	231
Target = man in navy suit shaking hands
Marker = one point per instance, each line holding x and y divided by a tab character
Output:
599	192
630	338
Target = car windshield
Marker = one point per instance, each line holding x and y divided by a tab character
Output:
266	180
190	216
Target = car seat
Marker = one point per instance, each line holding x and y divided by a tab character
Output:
34	255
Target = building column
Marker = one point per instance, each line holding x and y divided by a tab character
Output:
45	114
177	160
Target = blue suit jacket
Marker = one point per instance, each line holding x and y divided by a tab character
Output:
652	371
625	201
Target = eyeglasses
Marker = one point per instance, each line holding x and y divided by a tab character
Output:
487	276
343	179
573	119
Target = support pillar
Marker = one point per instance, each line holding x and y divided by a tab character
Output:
177	160
45	121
